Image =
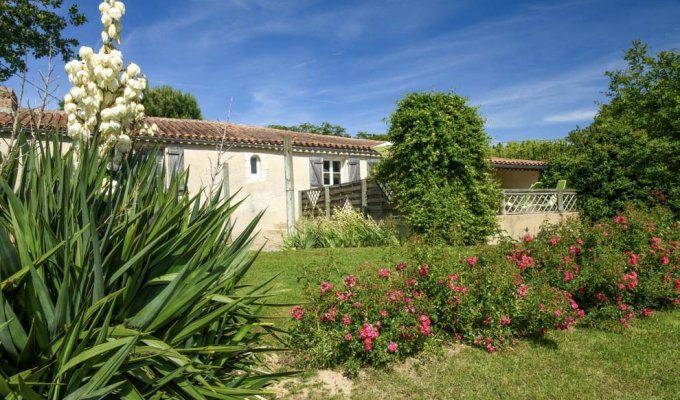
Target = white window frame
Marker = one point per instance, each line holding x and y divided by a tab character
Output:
261	174
258	166
331	173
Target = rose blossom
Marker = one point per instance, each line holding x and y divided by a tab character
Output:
392	347
325	287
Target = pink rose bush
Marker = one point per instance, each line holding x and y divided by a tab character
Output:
563	276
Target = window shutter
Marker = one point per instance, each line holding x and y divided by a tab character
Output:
354	169
176	163
316	171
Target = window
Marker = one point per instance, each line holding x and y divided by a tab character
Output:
331	172
254	165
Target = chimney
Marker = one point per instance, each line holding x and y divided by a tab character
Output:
8	100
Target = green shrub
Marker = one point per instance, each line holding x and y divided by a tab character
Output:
121	290
437	169
345	228
631	151
607	275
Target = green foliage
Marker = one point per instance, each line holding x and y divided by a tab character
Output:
373	136
607	275
539	150
121	290
345	228
324	129
164	101
437	168
631	152
34	27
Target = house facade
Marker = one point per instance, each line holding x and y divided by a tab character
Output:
248	162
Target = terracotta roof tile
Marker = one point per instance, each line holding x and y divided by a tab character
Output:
498	162
215	132
211	131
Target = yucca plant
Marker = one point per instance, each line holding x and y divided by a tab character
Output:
113	286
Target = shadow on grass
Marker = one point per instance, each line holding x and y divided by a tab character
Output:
544	342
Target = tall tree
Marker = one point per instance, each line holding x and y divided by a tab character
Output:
34	27
437	168
164	101
324	129
631	152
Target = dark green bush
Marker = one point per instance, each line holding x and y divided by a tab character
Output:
437	169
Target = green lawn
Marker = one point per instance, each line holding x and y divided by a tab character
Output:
298	269
643	363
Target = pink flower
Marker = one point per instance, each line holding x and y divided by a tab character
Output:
522	291
623	307
665	260
568	276
411	282
346	320
368	345
357	304
574	250
344	296
528	238
633	259
425	325
325	287
350	281
580	242
490	348
367	331
348	337
554	240
383	313
472	261
558	313
505	321
453	277
647	312
401	266
392	347
486	321
581	313
384	273
424	270
297	312
330	315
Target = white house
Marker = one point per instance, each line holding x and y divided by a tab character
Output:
249	161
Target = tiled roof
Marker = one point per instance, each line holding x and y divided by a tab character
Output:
498	162
213	132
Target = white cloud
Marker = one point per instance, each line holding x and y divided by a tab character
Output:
572	116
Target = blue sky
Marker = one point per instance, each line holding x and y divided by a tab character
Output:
535	68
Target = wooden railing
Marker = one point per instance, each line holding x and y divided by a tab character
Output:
537	201
366	195
372	198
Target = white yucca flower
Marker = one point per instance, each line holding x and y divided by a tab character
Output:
106	97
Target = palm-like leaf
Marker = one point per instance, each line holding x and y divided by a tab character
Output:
129	292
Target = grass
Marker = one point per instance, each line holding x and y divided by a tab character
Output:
642	363
298	269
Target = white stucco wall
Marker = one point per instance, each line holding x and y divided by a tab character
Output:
264	191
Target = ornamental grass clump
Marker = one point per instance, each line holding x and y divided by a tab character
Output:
113	283
345	228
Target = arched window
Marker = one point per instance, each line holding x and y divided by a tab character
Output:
254	165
